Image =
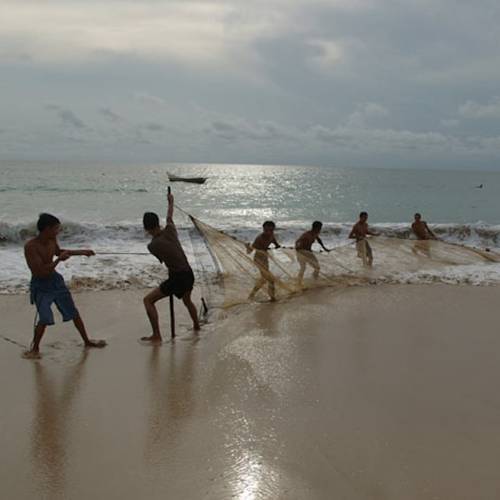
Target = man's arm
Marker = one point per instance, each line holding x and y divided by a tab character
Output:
71	253
429	230
86	252
36	264
275	243
318	239
170	210
354	233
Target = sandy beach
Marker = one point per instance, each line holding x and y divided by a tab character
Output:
381	392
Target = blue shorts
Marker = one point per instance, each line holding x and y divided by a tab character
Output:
45	291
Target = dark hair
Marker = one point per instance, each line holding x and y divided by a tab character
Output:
45	221
317	225
269	223
418	215
363	214
150	221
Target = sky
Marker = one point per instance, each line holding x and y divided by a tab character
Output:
408	83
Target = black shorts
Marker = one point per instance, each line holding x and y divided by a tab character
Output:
178	284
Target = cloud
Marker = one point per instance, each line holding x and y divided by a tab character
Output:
450	122
153	127
111	115
475	110
149	99
327	54
365	114
243	130
68	117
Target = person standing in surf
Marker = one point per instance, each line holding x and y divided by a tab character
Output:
424	234
166	247
47	285
359	232
421	230
303	247
261	245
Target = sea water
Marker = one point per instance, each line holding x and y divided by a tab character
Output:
101	207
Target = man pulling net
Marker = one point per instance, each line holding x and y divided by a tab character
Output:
166	247
305	256
261	245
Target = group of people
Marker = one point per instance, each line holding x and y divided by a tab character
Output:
43	255
306	257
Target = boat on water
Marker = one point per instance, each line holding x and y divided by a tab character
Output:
193	180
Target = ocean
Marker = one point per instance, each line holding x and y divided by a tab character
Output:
101	207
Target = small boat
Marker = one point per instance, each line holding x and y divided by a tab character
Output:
193	180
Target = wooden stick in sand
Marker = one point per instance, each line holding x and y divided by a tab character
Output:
171	298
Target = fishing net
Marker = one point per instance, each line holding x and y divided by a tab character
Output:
242	276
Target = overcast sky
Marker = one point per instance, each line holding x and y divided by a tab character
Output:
347	82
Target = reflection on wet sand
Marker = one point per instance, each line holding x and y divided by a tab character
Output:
50	427
170	383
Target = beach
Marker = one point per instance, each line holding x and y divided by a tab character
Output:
370	392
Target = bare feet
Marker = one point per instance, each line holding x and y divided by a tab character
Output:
96	343
32	355
154	339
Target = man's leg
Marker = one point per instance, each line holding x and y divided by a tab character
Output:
313	262
34	350
271	290
79	325
149	303
302	269
192	309
258	285
369	254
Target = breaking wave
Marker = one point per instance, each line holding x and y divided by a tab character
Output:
476	234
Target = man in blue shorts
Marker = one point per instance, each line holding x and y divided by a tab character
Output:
47	286
166	247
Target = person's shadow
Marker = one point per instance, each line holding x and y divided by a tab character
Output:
170	382
51	426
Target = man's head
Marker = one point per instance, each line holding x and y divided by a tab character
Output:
363	216
418	217
316	227
151	222
269	226
48	225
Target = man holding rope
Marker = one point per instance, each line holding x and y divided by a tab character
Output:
166	247
47	285
305	255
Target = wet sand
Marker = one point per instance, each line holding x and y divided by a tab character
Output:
383	392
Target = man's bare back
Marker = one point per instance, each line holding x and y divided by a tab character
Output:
264	241
305	242
360	231
422	231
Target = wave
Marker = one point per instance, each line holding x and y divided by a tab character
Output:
19	233
476	234
49	189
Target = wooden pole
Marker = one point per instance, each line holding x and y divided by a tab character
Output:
172	311
172	317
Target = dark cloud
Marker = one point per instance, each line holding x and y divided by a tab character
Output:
68	117
111	115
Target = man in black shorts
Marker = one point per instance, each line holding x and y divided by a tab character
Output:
165	246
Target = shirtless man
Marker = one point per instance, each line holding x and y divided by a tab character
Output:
261	259
303	247
423	233
359	232
166	247
421	229
47	286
